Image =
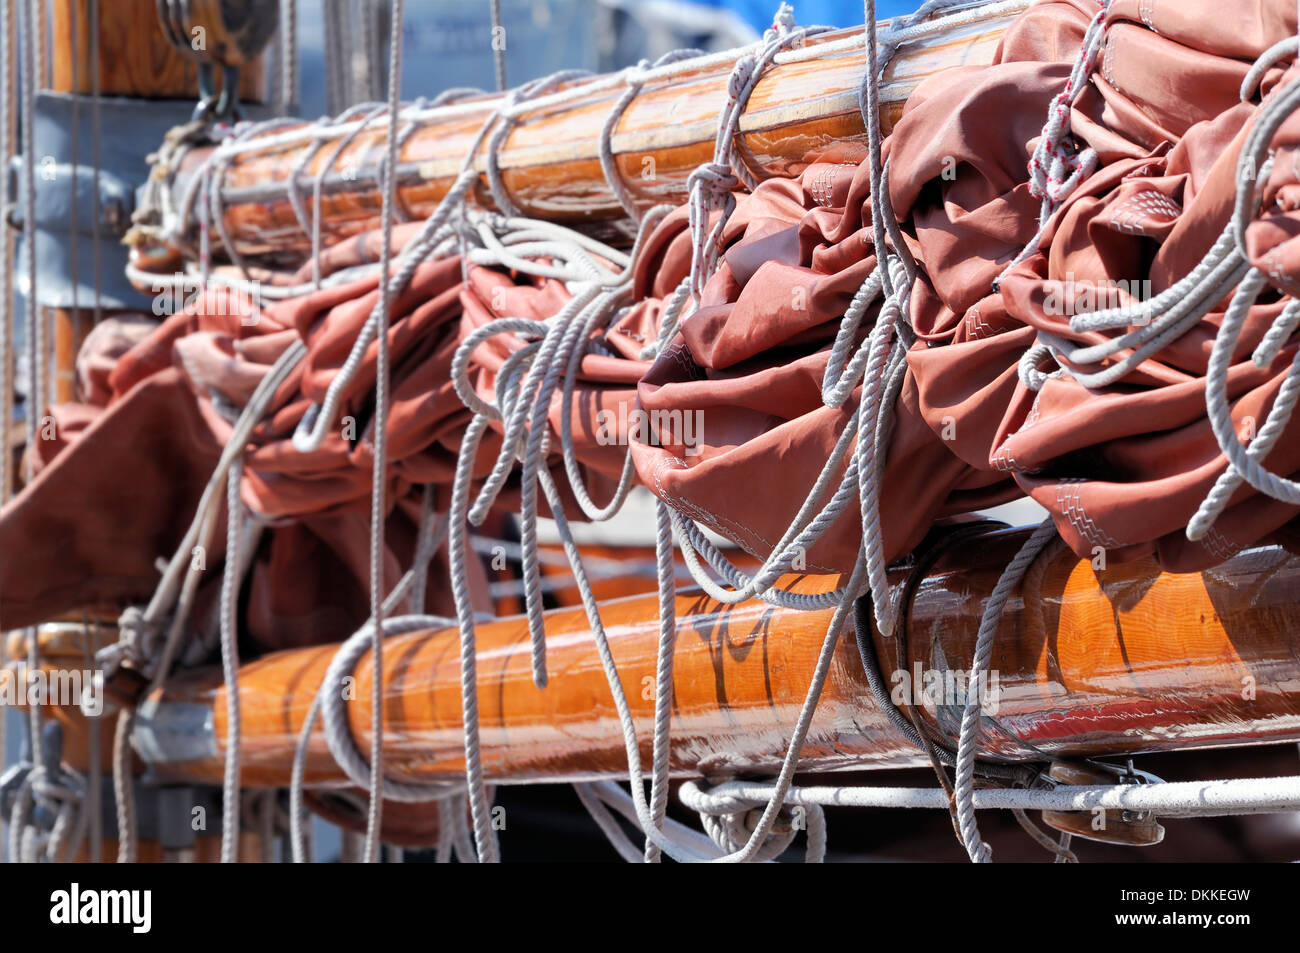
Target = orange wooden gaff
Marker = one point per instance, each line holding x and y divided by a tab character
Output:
1118	661
798	113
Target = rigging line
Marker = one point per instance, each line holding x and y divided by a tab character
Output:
331	14
607	823
37	387
804	530
334	715
375	813
964	781
74	136
613	796
124	787
857	582
44	45
337	729
288	55
167	599
96	253
632	747
8	122
175	589
230	578
316	237
94	787
1179	799
871	89
608	164
498	46
8	106
365	71
485	840
712	185
667	585
619	694
302	133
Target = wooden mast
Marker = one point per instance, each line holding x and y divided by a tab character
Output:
801	111
129	56
1115	662
114	48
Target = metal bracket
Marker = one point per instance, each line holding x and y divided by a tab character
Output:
129	129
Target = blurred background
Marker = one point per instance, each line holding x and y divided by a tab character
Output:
448	42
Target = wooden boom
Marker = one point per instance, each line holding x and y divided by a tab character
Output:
1087	662
799	112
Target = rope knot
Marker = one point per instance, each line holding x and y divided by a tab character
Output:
782	23
715	181
731	832
137	641
730	819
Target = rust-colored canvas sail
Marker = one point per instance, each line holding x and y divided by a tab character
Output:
1085	299
1121	466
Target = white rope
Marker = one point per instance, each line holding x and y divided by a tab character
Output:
525	386
667	585
1171	799
546	363
123	787
820	49
139	628
288	54
485	840
329	695
230	579
508	115
37	357
8	103
37	385
378	490
1054	170
964	781
57	790
607	794
174	595
498	45
608	164
1172	313
711	186
334	717
726	818
607	824
8	365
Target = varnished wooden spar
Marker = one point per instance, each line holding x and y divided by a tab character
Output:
799	112
1112	662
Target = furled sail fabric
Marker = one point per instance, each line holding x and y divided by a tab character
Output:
1118	447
